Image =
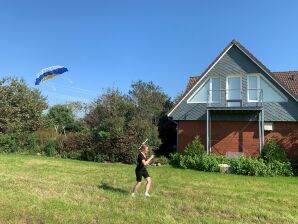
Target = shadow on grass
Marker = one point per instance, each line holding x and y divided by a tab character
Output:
107	187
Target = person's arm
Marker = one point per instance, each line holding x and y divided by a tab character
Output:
145	163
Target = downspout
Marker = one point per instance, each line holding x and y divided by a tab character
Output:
263	138
207	135
210	134
260	133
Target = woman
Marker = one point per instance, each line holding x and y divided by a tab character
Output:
141	170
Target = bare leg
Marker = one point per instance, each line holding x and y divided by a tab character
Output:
136	187
148	184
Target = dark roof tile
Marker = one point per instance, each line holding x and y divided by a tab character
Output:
191	82
288	80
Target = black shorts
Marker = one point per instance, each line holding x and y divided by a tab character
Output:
141	173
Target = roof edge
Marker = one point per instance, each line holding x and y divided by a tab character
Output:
248	54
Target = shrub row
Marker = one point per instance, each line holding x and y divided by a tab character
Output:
194	157
242	165
82	146
19	143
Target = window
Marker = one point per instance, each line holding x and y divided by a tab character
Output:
201	95
214	90
269	93
268	126
211	89
233	91
258	89
253	88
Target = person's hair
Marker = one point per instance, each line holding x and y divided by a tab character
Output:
143	147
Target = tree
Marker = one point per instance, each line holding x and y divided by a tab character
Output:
20	107
149	100
63	116
109	113
135	116
150	103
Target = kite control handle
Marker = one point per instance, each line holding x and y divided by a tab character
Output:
143	143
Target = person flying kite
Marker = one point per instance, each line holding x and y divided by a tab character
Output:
141	171
49	73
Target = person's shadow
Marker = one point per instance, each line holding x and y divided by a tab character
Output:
107	187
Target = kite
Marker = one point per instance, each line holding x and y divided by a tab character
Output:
49	73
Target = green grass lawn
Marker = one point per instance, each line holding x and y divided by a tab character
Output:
48	190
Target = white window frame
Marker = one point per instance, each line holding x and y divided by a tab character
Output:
234	76
258	88
211	89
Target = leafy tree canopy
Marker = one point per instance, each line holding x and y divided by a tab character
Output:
20	107
63	116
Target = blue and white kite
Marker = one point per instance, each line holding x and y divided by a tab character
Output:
49	73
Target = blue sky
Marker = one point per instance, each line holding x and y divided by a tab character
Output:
112	43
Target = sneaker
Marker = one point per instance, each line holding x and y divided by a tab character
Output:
147	194
133	195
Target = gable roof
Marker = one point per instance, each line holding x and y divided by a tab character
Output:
289	80
194	81
191	82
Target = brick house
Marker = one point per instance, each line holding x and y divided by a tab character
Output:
236	104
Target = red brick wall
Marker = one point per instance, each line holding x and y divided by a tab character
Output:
286	134
238	136
235	136
188	130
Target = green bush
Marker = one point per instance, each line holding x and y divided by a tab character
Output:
101	158
20	143
8	143
174	159
162	160
277	168
195	148
31	143
273	152
91	147
195	159
189	162
249	166
52	148
210	162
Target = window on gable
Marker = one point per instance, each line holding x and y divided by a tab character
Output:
258	89
253	88
269	93
211	89
201	95
214	89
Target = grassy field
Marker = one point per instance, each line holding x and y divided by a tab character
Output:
48	190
